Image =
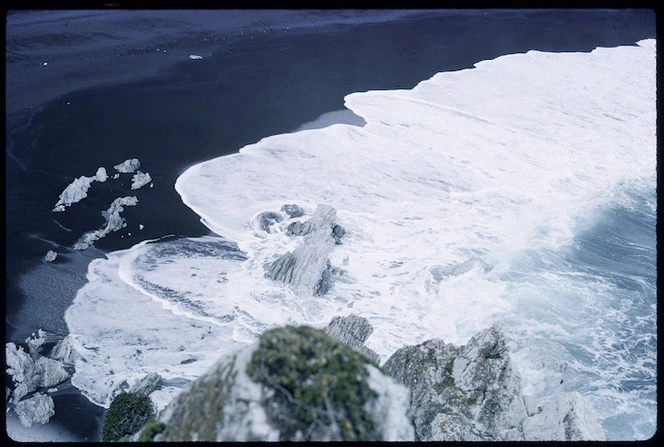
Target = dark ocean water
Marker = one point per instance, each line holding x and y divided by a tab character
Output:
263	82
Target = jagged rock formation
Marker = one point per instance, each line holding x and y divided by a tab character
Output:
50	256
307	269
37	409
296	384
473	393
353	331
29	372
78	189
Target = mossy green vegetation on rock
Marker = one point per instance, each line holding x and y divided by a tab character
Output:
199	411
151	429
128	413
319	383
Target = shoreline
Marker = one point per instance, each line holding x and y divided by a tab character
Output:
255	111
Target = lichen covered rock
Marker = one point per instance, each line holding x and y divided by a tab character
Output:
297	384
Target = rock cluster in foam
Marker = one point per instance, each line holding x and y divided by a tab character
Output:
307	269
78	189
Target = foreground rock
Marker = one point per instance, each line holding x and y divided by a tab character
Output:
353	331
473	393
297	384
307	269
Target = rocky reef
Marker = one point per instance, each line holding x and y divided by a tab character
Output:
473	393
306	270
296	384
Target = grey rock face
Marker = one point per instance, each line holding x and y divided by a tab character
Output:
473	393
304	268
426	369
353	331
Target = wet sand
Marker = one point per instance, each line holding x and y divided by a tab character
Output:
122	86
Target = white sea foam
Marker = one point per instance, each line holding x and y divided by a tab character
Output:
443	193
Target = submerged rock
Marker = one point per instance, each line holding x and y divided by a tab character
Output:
29	372
304	268
268	218
297	384
296	228
473	393
292	210
352	331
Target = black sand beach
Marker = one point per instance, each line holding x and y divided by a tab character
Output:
92	89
